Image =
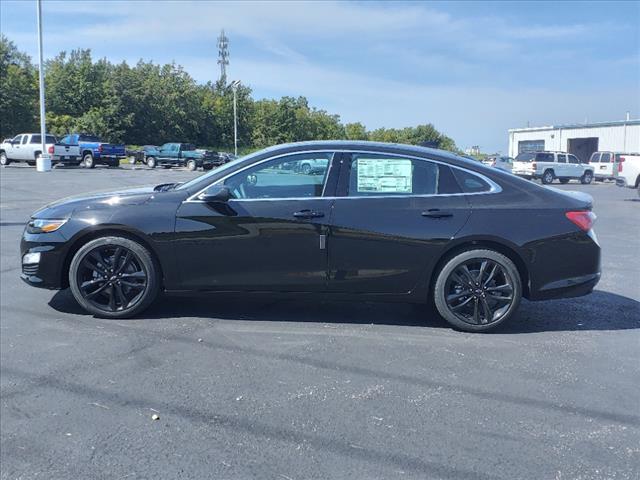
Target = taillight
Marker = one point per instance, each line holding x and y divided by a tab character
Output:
620	162
493	164
100	148
533	165
584	219
50	150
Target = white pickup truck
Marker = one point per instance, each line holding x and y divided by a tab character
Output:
629	171
27	146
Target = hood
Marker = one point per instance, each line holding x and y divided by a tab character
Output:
92	201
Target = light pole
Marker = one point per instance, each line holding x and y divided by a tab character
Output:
44	162
234	87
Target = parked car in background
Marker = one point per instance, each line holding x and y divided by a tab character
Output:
629	171
547	166
605	165
140	155
500	162
182	155
382	222
26	147
94	151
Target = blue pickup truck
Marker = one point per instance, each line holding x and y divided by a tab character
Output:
94	152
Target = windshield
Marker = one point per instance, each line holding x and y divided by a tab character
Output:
525	157
223	168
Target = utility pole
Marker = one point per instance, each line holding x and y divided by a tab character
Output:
43	164
223	56
234	86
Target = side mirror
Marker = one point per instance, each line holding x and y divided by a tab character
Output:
216	194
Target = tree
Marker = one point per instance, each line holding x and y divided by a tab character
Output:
18	91
356	131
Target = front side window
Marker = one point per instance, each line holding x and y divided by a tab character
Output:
25	139
17	139
300	175
387	175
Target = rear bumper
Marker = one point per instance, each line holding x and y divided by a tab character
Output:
569	287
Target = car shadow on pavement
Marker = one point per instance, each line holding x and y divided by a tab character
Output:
598	311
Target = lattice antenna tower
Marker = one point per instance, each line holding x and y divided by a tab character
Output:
223	56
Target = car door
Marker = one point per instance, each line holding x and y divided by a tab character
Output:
605	167
13	151
391	220
575	167
270	236
562	168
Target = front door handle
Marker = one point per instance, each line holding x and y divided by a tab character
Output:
437	213
308	214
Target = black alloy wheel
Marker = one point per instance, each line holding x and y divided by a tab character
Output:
477	290
113	277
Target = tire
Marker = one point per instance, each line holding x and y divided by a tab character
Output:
151	162
88	161
4	161
501	309
207	167
564	181
115	163
116	295
547	177
586	178
191	165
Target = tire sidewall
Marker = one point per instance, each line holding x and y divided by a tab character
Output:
545	177
151	162
4	160
587	178
148	263
439	288
191	165
87	161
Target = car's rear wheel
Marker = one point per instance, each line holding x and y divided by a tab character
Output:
586	178
114	277
547	177
191	165
477	290
564	181
4	161
88	161
151	162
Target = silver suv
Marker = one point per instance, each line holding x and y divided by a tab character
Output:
547	166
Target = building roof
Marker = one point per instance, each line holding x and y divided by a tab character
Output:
570	126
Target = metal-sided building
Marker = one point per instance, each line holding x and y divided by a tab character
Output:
580	139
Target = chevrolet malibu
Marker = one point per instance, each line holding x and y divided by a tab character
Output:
373	221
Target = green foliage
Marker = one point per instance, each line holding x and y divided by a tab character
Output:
18	91
154	104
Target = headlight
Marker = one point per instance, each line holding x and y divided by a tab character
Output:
44	225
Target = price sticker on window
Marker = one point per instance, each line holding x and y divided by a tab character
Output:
386	175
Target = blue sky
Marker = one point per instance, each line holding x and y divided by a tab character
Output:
473	69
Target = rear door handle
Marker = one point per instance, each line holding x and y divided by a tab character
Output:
437	213
308	214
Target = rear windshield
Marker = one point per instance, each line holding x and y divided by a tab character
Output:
525	157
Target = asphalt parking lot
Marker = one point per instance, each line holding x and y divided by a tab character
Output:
293	390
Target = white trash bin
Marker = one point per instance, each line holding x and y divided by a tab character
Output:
43	164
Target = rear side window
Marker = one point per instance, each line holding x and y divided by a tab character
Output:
574	159
469	182
562	159
37	139
544	157
595	158
385	175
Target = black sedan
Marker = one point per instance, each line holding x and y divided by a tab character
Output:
377	222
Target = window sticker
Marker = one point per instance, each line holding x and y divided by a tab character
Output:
388	175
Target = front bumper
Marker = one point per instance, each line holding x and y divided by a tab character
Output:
48	271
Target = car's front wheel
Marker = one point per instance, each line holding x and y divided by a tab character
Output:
4	161
587	178
477	290
151	162
114	277
191	165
